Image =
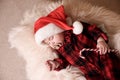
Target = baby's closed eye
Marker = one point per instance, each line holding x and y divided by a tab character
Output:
58	45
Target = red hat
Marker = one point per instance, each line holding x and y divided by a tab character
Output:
53	23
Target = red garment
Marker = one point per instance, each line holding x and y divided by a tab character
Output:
94	66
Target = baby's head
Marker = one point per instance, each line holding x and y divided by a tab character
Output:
49	29
54	41
50	34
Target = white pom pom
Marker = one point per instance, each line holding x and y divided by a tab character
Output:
78	27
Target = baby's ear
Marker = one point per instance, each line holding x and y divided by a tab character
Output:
69	21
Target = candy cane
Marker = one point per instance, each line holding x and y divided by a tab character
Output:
96	50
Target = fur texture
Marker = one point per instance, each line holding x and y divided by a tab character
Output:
22	38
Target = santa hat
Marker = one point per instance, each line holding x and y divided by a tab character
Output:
54	23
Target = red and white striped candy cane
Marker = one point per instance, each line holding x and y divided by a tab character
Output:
96	50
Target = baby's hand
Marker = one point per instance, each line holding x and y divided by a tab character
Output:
103	48
52	64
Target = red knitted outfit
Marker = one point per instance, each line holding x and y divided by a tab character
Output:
95	66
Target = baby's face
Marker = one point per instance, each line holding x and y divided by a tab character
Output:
55	41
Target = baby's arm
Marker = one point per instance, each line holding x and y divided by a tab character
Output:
99	36
94	32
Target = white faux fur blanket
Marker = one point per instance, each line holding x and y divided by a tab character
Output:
22	38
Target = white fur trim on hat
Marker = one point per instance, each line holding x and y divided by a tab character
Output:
78	27
46	31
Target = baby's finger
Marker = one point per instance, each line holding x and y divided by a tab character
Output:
108	50
49	65
105	50
52	65
100	50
